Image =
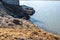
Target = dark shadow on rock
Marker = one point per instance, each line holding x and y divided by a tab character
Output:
18	11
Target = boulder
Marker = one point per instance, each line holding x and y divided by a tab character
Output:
28	10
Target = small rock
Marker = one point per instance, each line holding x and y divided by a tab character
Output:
17	22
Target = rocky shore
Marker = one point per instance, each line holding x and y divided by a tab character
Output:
19	28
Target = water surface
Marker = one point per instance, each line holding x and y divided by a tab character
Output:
47	13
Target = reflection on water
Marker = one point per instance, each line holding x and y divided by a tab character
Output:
47	13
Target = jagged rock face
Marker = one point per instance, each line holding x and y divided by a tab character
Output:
28	10
17	11
9	13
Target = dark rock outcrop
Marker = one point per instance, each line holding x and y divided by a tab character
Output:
28	10
9	14
18	11
14	2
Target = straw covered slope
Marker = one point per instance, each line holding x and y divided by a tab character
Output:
21	29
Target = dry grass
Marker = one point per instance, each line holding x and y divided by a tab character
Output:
26	34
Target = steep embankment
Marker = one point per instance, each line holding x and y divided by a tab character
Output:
21	29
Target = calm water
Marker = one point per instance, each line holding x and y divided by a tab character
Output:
47	13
